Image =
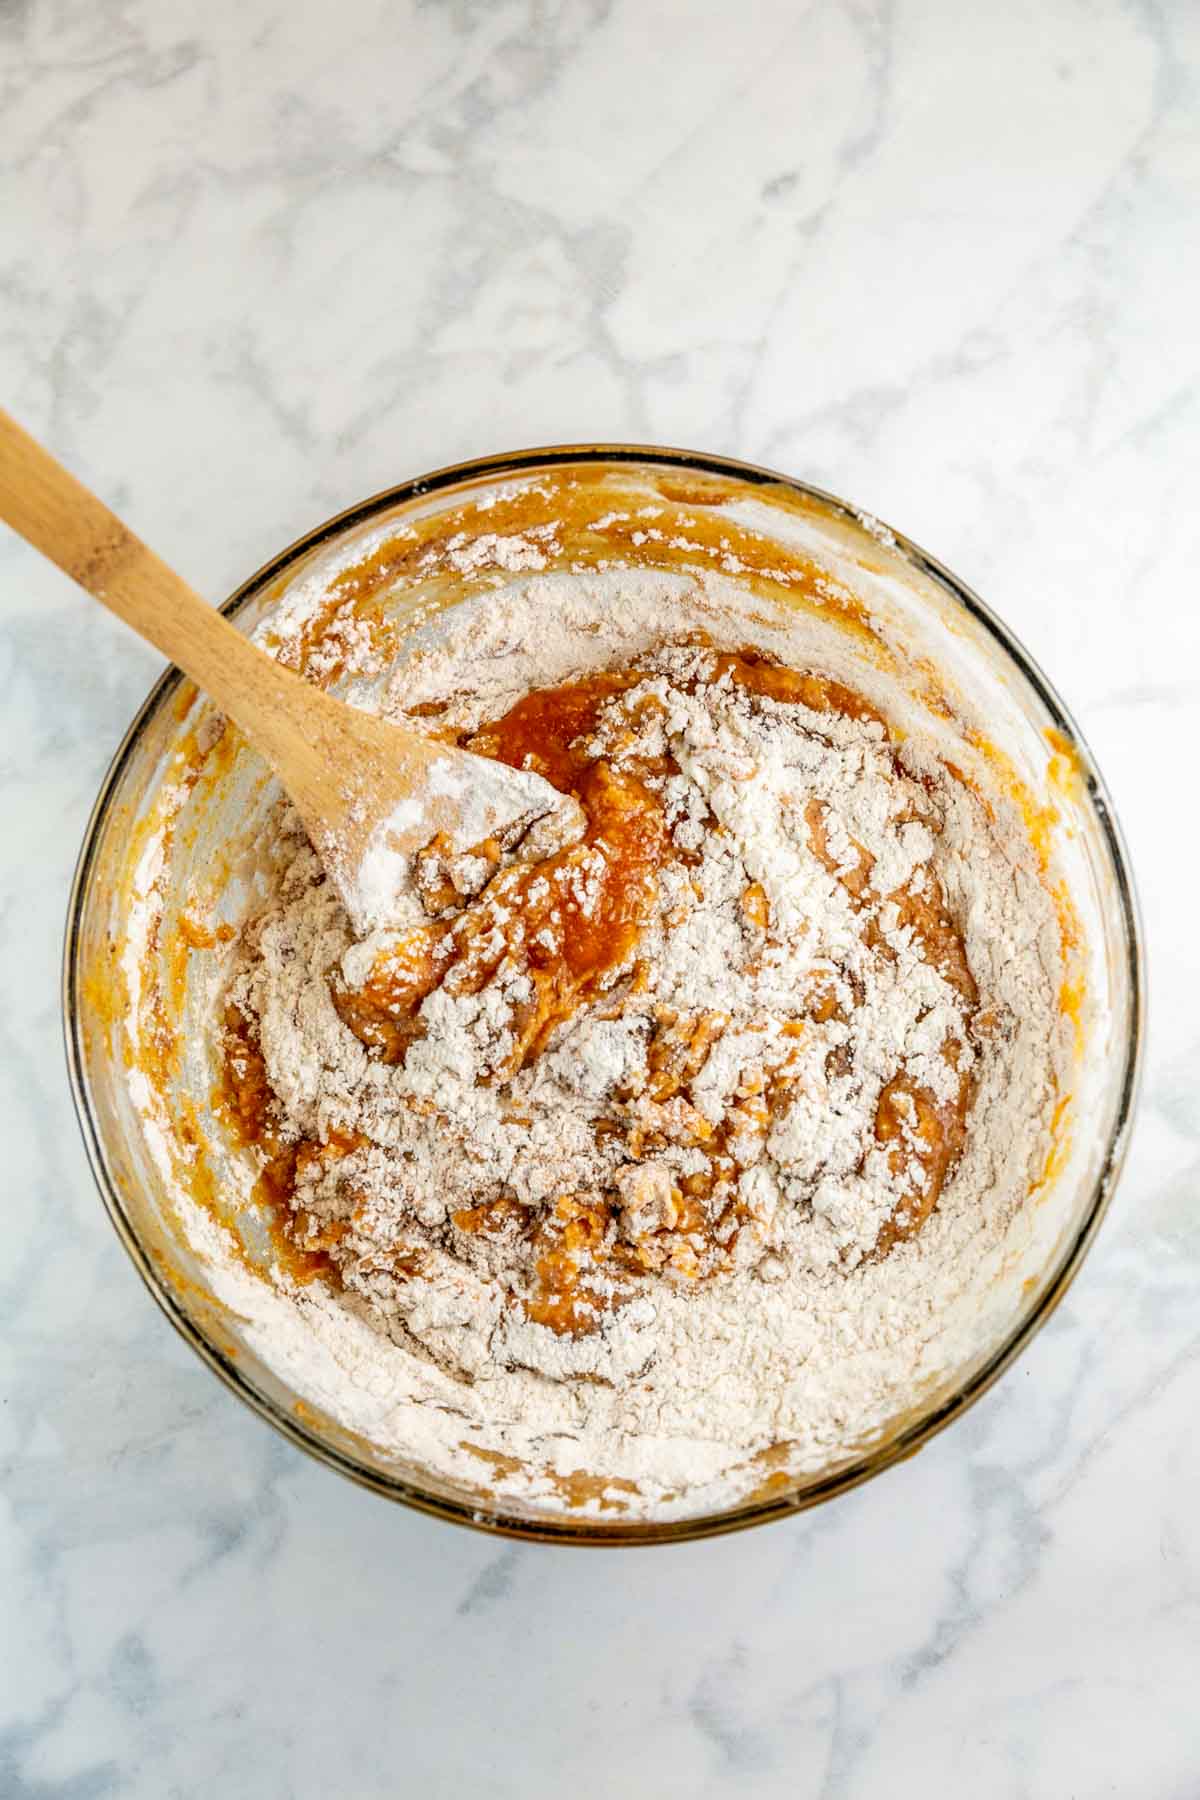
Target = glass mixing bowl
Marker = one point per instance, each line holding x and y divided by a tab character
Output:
719	506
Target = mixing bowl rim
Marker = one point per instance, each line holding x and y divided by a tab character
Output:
906	1442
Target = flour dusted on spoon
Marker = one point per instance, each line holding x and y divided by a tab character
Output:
486	803
684	1142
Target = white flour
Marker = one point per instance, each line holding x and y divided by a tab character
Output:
779	1057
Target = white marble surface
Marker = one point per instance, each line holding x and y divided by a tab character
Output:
259	259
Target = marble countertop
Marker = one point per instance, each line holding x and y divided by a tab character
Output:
258	260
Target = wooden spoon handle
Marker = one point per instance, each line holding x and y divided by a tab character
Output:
61	518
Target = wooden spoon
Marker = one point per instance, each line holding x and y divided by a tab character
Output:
371	795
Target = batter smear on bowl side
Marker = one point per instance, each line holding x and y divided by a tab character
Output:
677	1145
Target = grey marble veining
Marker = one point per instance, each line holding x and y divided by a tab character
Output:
257	260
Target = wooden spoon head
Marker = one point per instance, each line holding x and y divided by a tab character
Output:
392	814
